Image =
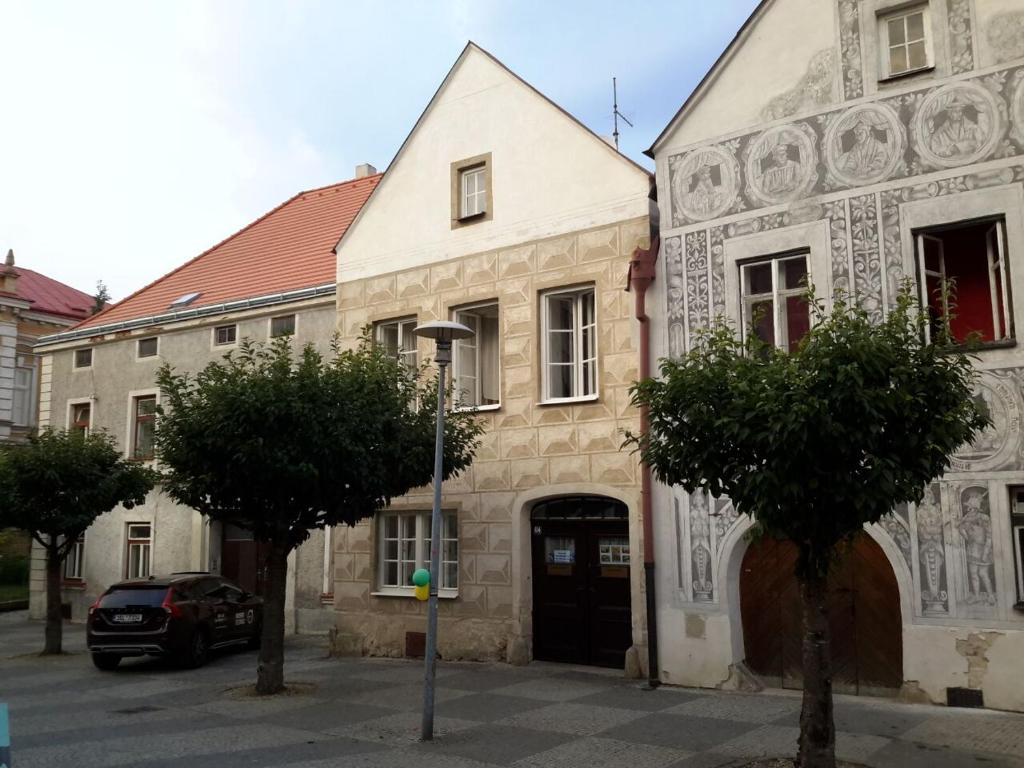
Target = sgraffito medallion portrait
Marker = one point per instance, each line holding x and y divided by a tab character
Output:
864	146
704	184
957	124
781	164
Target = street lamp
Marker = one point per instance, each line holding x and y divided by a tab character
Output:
444	333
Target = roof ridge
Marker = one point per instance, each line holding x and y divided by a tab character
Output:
110	307
341	183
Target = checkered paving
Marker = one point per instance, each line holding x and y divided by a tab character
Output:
365	713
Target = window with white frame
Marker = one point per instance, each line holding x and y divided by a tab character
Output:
472	191
83	358
139	550
73	562
774	299
1017	529
24	396
80	418
282	326
476	359
225	335
404	546
398	340
569	344
143	427
964	281
905	44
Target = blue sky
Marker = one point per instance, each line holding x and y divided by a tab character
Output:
134	135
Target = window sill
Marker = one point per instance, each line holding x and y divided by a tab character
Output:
471	218
983	346
477	408
570	400
75	584
327	598
905	75
443	594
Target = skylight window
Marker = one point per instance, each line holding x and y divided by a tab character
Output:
185	300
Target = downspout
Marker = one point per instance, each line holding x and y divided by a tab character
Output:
641	275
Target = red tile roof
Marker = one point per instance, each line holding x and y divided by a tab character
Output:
289	248
52	297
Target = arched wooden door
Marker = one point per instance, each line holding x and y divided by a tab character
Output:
863	609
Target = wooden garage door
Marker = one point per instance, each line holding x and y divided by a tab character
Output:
863	609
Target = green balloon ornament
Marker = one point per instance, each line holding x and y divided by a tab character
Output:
421	577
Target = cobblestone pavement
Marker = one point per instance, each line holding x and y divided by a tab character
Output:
365	713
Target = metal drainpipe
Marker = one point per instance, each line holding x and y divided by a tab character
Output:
641	275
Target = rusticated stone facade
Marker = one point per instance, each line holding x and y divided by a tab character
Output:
528	451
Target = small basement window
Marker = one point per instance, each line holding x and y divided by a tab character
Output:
964	281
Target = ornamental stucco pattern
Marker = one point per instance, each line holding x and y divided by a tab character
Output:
853	169
565	448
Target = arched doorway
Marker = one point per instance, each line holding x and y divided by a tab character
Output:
863	608
581	584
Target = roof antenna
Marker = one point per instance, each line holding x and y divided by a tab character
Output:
617	114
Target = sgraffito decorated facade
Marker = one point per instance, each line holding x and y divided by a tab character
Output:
896	154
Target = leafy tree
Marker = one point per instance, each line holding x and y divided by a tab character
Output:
54	487
100	299
813	445
284	445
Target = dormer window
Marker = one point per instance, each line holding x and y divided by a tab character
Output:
906	47
472	197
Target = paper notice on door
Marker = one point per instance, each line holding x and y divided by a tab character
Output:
562	556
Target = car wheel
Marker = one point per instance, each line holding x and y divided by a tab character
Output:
106	661
198	650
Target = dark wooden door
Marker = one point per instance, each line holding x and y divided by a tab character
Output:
581	592
243	559
863	609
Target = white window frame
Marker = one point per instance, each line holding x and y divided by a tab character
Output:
214	343
74	358
885	47
74	563
420	539
144	546
995	242
295	325
1017	533
23	396
69	422
581	382
134	395
138	348
472	201
466	316
778	295
408	354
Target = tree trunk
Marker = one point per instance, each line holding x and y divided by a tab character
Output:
54	620
817	727
270	669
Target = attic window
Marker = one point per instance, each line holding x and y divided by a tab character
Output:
185	300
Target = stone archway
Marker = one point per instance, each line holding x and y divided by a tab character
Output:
864	615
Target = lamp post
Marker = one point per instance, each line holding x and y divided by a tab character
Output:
444	333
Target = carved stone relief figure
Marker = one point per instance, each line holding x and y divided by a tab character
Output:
957	124
1005	35
864	146
814	89
899	533
781	164
931	550
704	184
975	527
700	548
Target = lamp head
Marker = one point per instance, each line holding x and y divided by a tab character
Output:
443	331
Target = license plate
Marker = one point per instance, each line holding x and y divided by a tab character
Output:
127	618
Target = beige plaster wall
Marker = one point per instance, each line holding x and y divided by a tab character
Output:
528	451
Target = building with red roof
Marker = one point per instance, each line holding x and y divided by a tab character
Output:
274	277
31	305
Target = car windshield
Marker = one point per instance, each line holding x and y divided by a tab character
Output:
131	596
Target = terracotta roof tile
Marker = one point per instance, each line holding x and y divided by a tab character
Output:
52	297
289	248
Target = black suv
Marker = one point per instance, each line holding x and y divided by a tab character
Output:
182	616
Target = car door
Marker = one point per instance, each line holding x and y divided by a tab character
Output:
218	610
238	620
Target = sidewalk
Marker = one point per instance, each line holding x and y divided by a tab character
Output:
365	713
